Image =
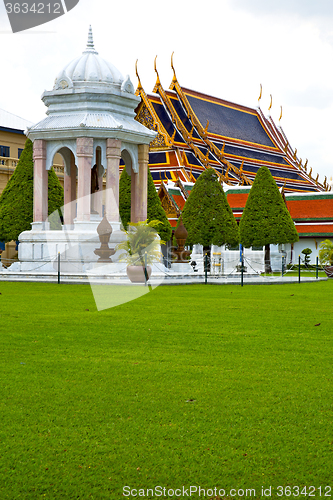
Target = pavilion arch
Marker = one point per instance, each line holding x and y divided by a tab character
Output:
129	153
66	149
99	156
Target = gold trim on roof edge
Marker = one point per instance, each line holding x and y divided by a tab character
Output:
203	133
157	123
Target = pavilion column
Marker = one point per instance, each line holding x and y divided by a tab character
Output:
84	152
70	194
139	186
40	181
113	155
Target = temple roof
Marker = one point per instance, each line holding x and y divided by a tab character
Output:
197	131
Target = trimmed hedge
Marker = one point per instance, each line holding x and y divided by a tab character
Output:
16	200
207	215
266	219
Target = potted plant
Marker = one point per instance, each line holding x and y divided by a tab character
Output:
326	257
141	248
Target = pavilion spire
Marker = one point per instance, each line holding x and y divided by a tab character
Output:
90	43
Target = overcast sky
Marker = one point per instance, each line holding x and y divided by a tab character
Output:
225	48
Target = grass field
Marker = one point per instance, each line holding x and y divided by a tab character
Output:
211	386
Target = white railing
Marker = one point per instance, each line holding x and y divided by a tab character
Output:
9	163
59	169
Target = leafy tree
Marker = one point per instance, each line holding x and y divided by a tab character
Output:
16	200
154	207
265	218
207	215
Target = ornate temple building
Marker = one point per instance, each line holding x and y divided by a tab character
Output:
197	131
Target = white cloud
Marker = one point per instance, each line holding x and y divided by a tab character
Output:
300	8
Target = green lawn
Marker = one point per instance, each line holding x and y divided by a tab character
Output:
211	386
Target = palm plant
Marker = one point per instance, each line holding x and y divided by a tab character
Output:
142	243
326	253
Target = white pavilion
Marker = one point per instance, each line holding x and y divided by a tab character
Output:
90	122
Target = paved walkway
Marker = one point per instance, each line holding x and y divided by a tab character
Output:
156	280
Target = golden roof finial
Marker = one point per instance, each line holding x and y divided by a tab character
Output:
316	181
286	147
280	114
260	95
295	153
310	173
306	164
271	104
158	81
137	75
174	79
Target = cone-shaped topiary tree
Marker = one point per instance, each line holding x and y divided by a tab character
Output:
155	211
265	218
207	215
154	207
125	198
16	200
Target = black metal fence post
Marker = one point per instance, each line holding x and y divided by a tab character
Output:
206	267
146	272
317	267
242	268
58	268
299	269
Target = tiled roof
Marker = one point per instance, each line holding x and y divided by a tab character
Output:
311	208
10	121
235	140
227	120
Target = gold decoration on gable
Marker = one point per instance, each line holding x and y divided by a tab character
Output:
158	142
144	117
168	207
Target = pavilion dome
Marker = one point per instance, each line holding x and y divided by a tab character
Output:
88	70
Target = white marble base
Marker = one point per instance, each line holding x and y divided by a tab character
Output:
181	268
39	249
